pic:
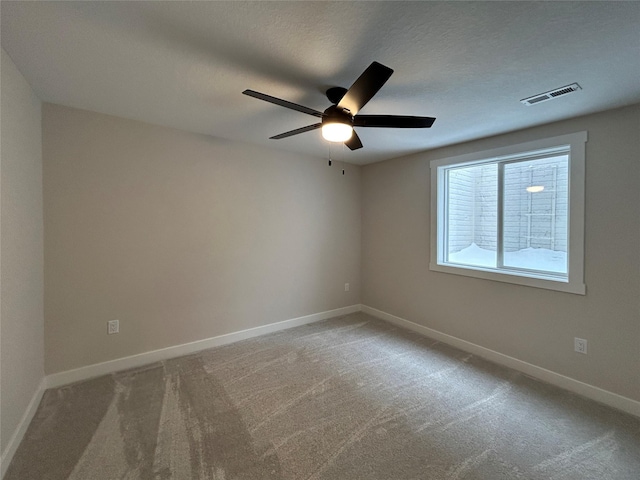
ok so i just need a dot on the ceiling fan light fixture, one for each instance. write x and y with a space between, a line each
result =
336 131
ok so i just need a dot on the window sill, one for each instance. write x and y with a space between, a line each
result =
577 288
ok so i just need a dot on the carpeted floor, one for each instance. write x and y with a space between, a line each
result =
347 398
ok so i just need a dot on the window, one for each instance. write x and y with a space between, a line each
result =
514 214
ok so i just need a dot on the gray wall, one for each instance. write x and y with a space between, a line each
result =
533 325
183 237
21 284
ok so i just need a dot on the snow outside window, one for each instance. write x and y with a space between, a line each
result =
515 214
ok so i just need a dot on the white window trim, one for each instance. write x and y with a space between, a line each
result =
575 282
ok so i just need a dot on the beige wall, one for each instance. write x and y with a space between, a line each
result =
184 237
533 325
21 311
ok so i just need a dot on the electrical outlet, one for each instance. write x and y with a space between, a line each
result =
113 326
580 345
346 287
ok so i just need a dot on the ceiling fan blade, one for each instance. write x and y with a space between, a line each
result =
290 133
354 142
283 103
365 87
393 121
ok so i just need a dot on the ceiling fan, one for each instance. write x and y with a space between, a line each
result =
338 120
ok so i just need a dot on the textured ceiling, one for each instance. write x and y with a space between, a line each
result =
468 64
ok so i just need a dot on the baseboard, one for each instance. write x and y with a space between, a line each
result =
595 393
21 429
97 369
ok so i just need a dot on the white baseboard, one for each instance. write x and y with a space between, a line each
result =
21 429
97 369
595 393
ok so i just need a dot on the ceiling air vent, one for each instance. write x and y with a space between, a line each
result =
558 92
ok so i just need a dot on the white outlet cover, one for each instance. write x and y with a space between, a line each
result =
346 287
113 326
580 345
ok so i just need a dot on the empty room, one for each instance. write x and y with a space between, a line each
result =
313 240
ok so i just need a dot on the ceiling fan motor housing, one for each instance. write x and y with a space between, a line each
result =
333 114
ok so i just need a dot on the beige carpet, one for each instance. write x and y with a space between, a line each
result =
348 398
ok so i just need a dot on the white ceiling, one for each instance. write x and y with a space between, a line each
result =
468 64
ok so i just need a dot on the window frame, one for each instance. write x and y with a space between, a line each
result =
574 283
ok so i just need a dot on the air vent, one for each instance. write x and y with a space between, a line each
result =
558 92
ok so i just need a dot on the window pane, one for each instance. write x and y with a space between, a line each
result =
535 219
472 215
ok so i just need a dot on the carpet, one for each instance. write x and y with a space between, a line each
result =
347 398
